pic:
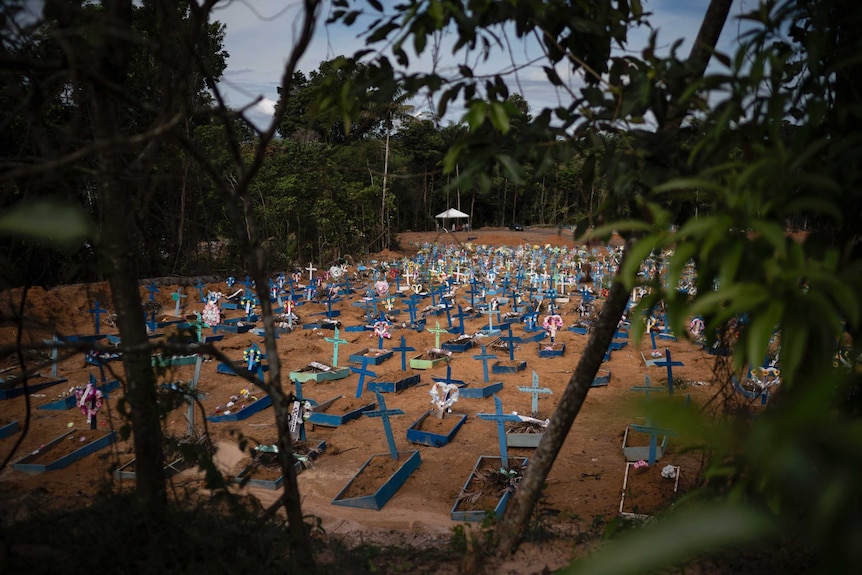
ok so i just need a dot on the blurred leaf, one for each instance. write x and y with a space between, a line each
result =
678 537
57 223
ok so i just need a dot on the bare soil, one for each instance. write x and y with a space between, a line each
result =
585 483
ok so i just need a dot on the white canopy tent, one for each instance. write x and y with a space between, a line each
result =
451 214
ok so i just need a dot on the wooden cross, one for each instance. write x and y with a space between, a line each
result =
437 331
55 353
646 388
669 364
403 349
335 341
653 433
193 386
501 419
510 340
311 269
535 390
363 372
490 313
178 296
97 311
384 414
153 289
484 357
200 285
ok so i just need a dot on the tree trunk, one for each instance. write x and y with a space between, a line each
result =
116 241
520 507
517 514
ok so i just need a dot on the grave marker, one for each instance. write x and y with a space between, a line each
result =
535 391
669 364
384 414
335 341
178 296
437 331
484 358
403 349
97 311
363 372
501 419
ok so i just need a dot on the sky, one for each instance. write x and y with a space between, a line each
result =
260 35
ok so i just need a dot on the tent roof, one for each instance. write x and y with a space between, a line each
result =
451 213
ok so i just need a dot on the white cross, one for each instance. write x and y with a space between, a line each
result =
311 269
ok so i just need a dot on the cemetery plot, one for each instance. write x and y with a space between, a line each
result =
488 488
65 450
433 431
383 474
648 489
264 470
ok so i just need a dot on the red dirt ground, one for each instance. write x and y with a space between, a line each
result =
585 483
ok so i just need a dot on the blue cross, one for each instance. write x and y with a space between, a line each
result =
363 372
501 419
653 433
510 340
484 357
335 341
535 390
670 365
461 315
97 311
646 388
153 289
384 414
448 379
178 296
403 349
411 307
200 285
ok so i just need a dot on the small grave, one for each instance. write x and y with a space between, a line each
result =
240 406
439 430
434 356
264 470
528 432
316 371
10 386
374 356
493 479
65 450
487 490
511 365
394 383
384 473
602 378
434 432
645 442
9 428
69 400
647 489
430 359
338 411
459 344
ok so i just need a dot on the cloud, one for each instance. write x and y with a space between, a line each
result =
265 106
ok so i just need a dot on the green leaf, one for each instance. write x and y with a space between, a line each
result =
771 232
476 115
688 184
57 223
499 117
633 259
760 331
674 539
